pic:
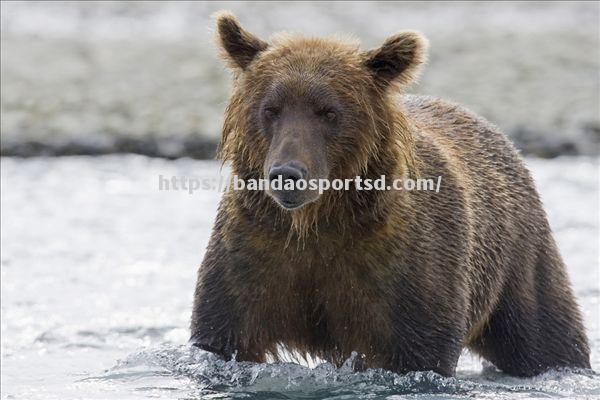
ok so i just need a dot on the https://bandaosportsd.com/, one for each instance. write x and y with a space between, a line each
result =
192 184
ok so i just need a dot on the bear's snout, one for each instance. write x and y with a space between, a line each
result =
288 174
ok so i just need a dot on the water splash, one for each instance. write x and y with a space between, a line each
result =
211 376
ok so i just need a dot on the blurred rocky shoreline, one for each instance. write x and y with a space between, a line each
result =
201 147
143 77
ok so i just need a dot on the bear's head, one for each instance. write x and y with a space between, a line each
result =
312 108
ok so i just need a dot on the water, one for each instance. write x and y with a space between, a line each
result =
98 269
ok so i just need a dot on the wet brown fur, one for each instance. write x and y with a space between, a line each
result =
407 279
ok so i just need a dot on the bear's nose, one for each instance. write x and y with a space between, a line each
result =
289 171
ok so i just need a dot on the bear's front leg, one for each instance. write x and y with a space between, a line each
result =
427 339
437 357
216 317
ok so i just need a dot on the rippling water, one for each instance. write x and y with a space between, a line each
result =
98 269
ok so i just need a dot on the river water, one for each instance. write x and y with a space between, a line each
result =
98 268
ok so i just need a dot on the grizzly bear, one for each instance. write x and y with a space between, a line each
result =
406 279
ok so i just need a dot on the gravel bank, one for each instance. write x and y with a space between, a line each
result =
142 77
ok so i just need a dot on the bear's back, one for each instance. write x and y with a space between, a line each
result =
476 150
493 185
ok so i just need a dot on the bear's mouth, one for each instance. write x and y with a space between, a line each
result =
290 201
289 204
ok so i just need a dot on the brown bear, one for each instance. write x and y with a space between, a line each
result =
407 279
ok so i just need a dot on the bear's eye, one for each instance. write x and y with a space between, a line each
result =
328 113
271 112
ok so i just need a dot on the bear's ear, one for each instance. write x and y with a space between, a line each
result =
398 59
238 46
